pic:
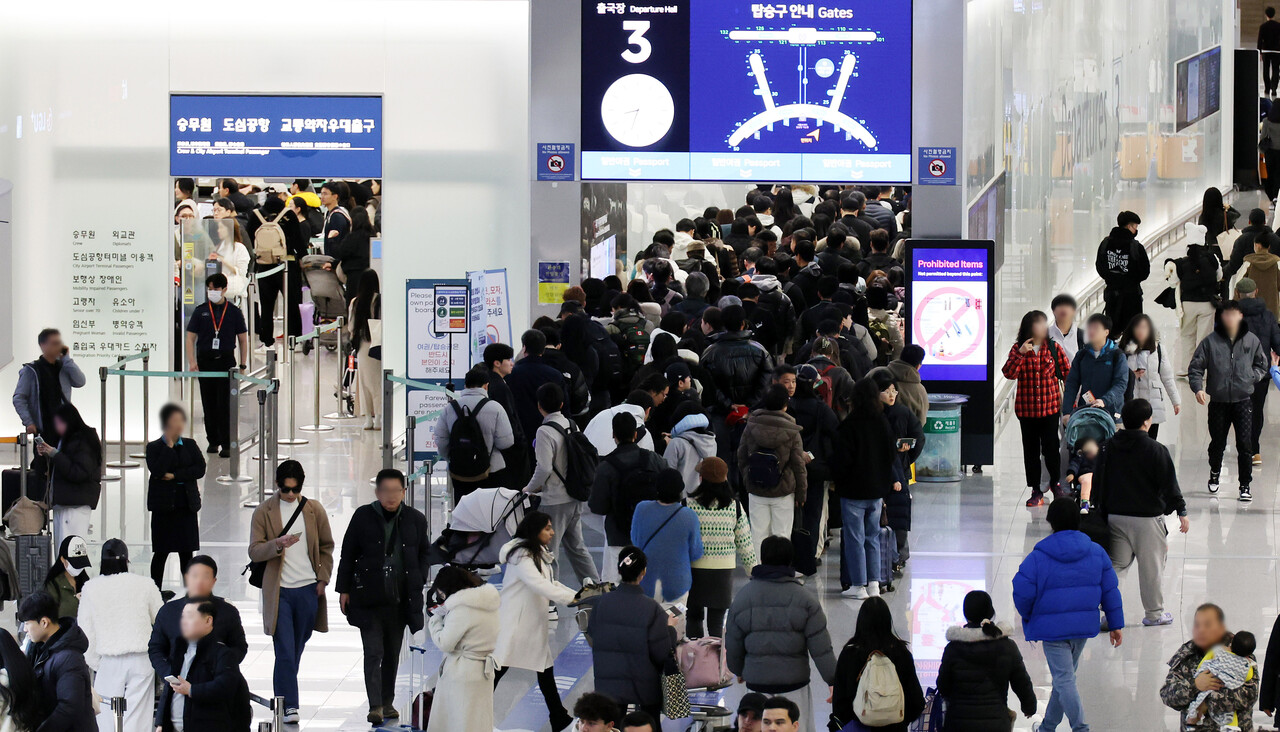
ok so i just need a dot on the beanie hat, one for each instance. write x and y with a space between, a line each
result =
713 470
1246 286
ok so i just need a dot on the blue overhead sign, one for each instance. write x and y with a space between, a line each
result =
275 136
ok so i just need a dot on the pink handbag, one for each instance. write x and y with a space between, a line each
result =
703 663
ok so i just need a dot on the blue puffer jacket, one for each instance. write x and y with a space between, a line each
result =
1060 585
1105 374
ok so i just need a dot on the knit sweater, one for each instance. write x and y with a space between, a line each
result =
671 547
726 538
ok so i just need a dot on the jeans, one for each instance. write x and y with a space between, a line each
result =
1224 416
1063 657
567 520
859 541
771 517
381 638
295 619
1040 437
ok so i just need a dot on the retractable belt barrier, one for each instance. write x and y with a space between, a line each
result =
117 706
276 705
261 382
316 425
252 296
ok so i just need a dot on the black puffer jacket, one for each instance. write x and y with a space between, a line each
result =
976 673
76 478
630 640
66 686
740 368
1262 324
865 466
1198 274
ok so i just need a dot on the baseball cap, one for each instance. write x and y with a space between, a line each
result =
1246 286
115 549
678 370
77 552
752 702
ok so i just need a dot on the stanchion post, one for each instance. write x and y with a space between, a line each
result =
388 400
341 412
25 457
237 388
410 427
277 714
102 377
251 299
262 448
292 439
316 426
146 409
124 462
118 707
274 417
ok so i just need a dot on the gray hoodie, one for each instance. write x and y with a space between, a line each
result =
548 451
689 445
26 395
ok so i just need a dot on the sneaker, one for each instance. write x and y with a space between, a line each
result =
1036 499
855 593
1058 491
1213 482
873 589
553 615
1257 459
375 716
1164 619
1084 508
389 712
291 715
1245 494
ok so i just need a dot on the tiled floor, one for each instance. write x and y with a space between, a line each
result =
967 535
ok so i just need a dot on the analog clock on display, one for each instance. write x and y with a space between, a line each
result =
637 110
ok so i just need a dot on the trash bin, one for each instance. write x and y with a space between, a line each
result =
939 461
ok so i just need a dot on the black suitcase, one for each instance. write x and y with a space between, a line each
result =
805 561
33 558
11 488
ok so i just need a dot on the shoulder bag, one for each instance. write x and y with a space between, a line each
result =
257 570
654 535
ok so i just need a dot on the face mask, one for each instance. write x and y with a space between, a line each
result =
215 296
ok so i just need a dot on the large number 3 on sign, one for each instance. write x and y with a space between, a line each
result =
637 39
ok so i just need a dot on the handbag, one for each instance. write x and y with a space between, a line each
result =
26 517
675 694
703 663
258 570
375 330
1168 298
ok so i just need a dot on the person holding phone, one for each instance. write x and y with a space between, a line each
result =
207 693
909 442
44 385
290 534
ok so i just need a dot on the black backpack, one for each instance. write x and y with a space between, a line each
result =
581 460
468 455
763 468
611 368
638 483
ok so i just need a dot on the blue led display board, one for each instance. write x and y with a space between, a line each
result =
275 136
747 90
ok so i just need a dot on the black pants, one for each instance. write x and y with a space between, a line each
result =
1040 437
814 500
1272 157
550 693
159 559
215 395
381 637
904 548
715 621
1258 407
1154 431
1224 416
1122 305
269 289
1270 71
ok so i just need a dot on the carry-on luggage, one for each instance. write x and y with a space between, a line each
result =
888 555
806 560
33 558
421 696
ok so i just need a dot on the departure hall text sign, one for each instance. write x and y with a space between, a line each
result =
275 136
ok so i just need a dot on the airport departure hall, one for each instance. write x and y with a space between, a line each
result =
706 365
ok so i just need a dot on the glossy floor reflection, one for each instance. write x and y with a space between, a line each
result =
966 536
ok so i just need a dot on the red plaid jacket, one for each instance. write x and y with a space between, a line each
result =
1039 393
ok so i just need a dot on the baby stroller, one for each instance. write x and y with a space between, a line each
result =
481 523
1090 423
326 293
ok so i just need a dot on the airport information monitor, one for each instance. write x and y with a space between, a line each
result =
743 90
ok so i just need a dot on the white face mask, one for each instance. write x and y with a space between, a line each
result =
215 296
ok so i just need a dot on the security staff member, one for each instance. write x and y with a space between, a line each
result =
215 328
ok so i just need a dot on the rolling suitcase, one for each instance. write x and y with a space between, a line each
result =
33 557
888 555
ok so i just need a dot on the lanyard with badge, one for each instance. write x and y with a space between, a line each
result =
216 343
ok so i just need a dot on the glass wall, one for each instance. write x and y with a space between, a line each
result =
1074 100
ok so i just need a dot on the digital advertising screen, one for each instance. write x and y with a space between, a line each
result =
1198 86
950 312
738 90
256 136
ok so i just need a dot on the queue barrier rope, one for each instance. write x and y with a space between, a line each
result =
416 384
267 273
145 353
319 331
169 374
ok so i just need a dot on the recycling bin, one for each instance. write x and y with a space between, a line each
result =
939 461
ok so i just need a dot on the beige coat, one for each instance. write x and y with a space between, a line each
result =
266 526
